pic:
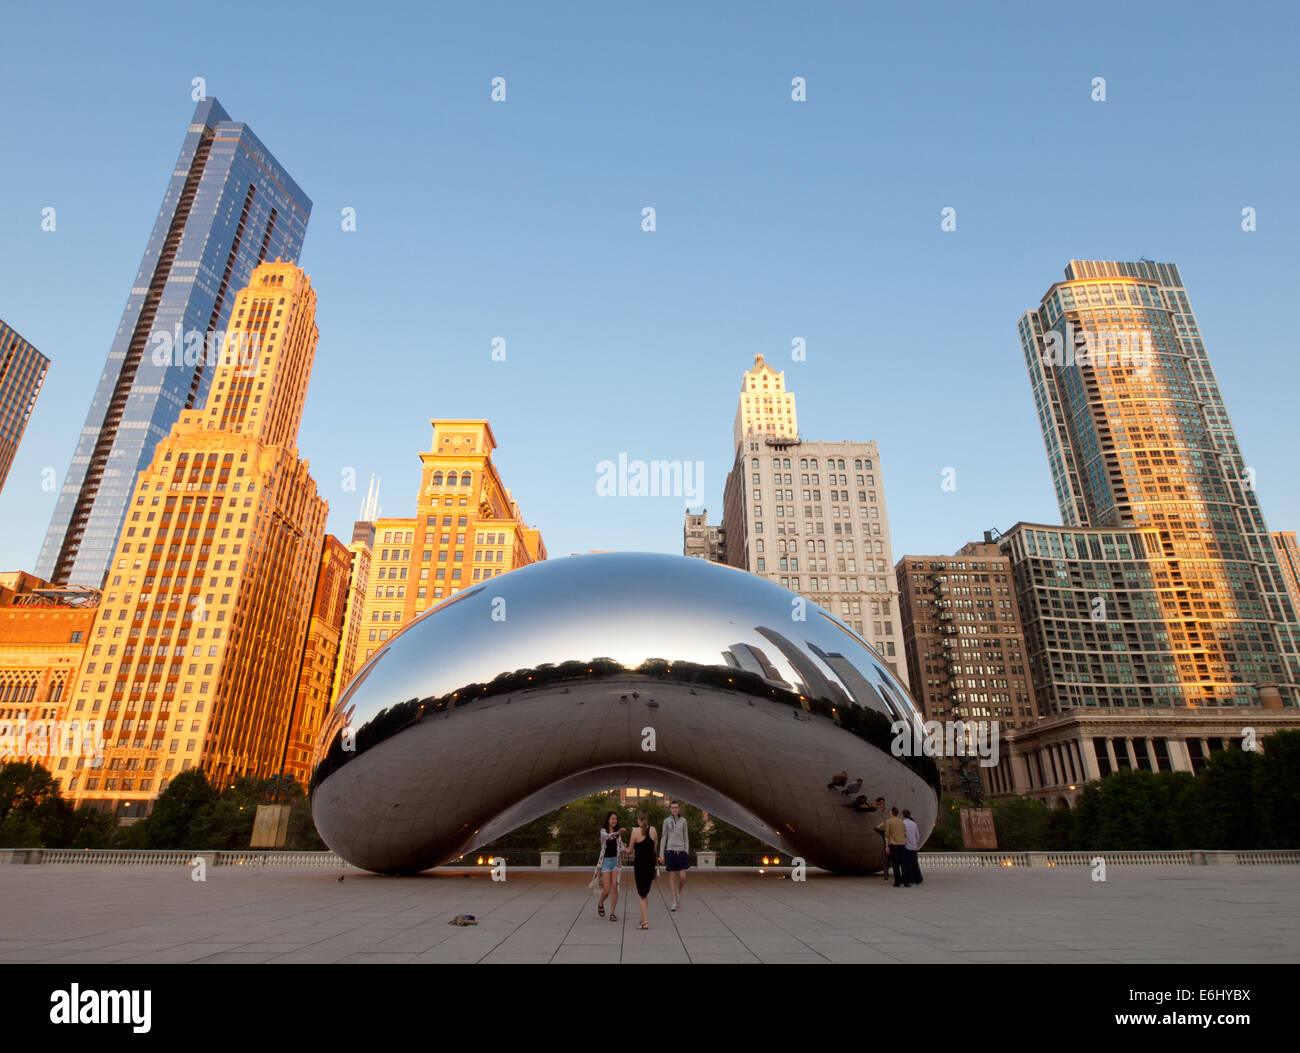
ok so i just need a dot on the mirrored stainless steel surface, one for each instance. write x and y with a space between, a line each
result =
578 675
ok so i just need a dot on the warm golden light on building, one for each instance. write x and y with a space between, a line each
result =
467 528
43 635
320 657
765 407
198 642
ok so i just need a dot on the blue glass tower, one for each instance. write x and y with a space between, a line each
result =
229 206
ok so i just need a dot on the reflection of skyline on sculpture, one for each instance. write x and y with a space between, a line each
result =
596 624
467 725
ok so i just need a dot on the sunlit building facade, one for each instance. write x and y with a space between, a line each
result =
198 642
467 529
1163 588
44 630
228 207
320 657
1288 560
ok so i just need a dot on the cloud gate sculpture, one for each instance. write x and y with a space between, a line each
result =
574 676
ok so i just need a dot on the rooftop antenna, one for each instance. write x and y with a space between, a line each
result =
370 510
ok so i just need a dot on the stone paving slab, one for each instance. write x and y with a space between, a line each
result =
107 914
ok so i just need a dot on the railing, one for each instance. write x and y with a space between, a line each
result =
972 860
583 860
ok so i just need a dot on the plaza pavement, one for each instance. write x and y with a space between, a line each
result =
108 914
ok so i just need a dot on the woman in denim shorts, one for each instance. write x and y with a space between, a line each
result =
609 864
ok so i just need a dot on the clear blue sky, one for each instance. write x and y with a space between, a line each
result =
776 220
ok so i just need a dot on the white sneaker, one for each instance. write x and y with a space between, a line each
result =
673 907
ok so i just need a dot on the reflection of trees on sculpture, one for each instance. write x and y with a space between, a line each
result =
867 724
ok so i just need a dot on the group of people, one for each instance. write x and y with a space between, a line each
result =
901 835
671 847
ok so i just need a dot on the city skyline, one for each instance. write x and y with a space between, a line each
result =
858 268
828 230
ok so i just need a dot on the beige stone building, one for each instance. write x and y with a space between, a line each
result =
1053 758
811 515
702 541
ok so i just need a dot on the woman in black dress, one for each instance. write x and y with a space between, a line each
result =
645 854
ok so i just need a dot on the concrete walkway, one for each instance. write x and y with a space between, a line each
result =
101 914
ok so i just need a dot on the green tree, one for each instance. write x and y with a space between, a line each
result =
28 792
1228 799
1126 811
179 810
1023 824
1277 790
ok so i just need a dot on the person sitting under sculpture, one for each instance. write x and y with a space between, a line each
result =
852 788
838 780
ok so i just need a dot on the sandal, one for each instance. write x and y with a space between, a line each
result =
613 916
600 909
644 925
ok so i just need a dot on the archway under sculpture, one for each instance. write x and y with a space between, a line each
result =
573 676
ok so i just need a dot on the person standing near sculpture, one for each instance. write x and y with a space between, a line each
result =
912 848
896 846
645 861
882 813
610 864
675 843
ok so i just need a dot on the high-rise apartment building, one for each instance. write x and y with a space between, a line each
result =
198 641
22 371
701 541
1288 560
320 657
229 206
964 641
466 529
811 515
1163 588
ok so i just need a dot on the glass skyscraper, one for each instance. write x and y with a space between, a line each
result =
1139 442
229 206
22 371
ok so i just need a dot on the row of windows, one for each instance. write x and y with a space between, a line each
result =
860 464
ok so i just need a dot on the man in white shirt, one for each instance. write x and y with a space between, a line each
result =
912 848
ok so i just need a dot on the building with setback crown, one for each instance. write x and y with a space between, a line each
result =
811 515
467 529
198 642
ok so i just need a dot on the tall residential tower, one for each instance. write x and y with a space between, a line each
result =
1164 587
229 206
